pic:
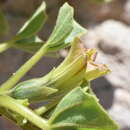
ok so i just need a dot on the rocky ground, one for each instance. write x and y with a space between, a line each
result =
108 32
111 39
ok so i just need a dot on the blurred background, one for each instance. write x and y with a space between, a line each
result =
108 32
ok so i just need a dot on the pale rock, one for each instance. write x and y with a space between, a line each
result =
120 111
112 41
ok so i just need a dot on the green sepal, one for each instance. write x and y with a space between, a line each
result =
34 90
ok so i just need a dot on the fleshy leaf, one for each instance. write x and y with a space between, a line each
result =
80 111
30 45
34 24
63 28
77 31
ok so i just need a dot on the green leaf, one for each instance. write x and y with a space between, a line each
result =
64 33
30 45
34 24
4 27
34 43
77 31
63 28
80 111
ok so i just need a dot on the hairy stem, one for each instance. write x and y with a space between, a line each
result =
4 113
13 105
4 46
29 126
43 109
7 115
24 69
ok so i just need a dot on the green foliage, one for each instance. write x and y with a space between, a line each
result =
80 110
63 28
28 32
73 68
70 102
77 31
30 45
34 24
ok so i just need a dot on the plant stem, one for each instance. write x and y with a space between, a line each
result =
67 86
43 109
4 113
27 126
4 46
13 105
24 69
